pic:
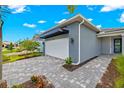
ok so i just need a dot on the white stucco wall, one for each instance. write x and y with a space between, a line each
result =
57 46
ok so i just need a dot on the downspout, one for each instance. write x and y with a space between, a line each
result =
79 41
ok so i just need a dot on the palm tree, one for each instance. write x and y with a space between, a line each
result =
71 8
3 11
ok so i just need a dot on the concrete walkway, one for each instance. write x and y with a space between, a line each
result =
86 76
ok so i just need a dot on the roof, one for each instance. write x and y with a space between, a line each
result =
111 32
112 29
76 18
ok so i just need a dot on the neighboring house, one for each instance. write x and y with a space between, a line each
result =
6 44
81 40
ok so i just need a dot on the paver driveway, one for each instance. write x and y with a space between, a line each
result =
86 76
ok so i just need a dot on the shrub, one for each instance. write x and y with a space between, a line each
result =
34 79
68 60
3 84
17 86
29 45
10 47
38 81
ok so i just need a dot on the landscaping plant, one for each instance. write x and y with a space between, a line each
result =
10 47
37 80
34 79
29 45
68 60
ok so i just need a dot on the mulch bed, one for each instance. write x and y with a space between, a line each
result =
29 84
108 78
74 67
37 81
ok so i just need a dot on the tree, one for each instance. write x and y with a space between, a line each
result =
3 10
29 45
36 37
10 47
71 8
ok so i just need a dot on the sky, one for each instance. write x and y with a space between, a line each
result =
26 21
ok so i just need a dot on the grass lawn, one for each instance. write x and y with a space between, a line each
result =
119 63
9 59
6 51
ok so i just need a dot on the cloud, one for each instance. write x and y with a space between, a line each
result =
108 8
122 18
91 7
99 26
58 22
90 19
66 12
18 8
29 25
42 21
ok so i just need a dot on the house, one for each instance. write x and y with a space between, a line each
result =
81 40
5 44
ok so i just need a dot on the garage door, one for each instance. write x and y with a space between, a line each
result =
57 47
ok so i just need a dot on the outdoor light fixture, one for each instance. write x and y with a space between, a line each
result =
72 40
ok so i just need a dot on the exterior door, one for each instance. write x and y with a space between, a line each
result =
118 45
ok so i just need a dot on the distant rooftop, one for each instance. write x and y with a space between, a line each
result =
112 29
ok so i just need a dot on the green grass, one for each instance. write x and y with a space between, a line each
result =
119 63
6 51
9 59
119 83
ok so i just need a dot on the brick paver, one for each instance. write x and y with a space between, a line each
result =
86 76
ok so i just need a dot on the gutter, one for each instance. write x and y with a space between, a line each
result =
79 41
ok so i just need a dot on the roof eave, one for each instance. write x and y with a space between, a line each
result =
79 18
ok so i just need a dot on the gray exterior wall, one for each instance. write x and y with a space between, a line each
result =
108 44
90 44
73 46
57 46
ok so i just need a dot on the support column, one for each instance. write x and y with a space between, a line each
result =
110 51
122 43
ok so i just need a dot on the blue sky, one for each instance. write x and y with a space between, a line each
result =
25 21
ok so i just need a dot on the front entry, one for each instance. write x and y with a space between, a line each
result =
117 45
